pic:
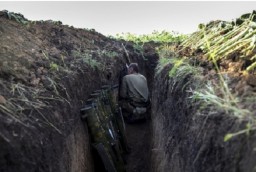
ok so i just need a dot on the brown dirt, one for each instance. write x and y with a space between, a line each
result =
47 72
189 138
139 140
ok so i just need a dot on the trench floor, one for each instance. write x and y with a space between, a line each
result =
139 140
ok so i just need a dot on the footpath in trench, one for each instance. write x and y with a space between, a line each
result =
138 136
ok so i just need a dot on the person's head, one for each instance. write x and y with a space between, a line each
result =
133 68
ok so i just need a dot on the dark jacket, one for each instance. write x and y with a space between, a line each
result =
134 88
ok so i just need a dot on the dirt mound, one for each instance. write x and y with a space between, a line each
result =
47 71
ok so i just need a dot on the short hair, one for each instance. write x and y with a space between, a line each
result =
135 67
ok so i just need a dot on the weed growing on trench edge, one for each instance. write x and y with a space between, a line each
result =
180 70
54 67
225 40
166 55
211 96
219 94
26 98
16 16
54 85
163 61
139 49
107 53
166 51
86 58
176 64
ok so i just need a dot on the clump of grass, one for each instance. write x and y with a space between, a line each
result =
166 57
218 99
139 49
107 53
219 95
54 66
87 59
180 68
184 74
17 17
223 39
163 61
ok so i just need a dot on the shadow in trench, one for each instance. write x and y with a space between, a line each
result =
139 140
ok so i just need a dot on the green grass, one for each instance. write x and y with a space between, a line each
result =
223 41
217 42
219 94
156 36
86 58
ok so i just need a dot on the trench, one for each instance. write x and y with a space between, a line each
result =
138 134
175 138
139 139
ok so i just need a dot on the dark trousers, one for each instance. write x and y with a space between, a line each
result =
128 108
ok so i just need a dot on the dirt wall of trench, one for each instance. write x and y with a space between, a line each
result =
47 72
187 141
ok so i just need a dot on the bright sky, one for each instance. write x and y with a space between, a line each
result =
139 17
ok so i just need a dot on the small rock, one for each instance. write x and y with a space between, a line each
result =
2 100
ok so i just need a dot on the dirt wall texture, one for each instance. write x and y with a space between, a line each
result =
47 72
187 141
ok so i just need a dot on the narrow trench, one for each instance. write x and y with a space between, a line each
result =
138 134
139 140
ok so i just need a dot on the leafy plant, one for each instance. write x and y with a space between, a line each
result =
110 54
54 66
17 17
163 61
155 36
139 49
86 58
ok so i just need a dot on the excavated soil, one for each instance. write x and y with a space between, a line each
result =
47 72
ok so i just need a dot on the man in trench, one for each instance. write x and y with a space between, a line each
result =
134 95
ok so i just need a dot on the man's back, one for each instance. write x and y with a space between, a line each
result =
135 88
